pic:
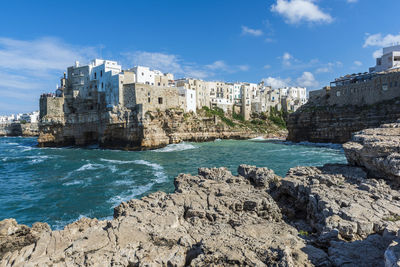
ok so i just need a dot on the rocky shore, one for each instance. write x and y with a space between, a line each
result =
19 129
335 215
157 129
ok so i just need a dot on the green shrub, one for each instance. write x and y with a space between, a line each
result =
237 116
278 117
303 233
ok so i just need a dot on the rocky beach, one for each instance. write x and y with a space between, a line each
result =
335 215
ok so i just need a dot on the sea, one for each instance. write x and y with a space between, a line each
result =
62 185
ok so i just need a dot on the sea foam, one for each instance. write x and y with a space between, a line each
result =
176 147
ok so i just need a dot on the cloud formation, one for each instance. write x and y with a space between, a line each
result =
286 59
277 82
175 64
253 32
307 79
378 40
298 11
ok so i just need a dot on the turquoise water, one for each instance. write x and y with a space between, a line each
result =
60 185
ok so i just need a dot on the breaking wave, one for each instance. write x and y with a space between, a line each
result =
75 182
176 147
258 138
128 195
90 166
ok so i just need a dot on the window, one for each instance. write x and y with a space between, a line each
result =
142 74
101 73
148 99
159 84
95 75
160 100
102 85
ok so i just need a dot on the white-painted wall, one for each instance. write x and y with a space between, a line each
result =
190 98
144 75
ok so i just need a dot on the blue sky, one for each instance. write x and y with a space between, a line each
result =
283 42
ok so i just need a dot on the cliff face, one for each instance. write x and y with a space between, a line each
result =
130 130
317 121
18 129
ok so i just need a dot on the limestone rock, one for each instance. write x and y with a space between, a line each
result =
213 218
340 197
378 150
15 236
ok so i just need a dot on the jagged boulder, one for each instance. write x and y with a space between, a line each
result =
213 218
14 236
377 150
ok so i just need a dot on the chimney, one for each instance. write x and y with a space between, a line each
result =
76 64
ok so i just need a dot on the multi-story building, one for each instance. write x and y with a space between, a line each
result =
103 85
389 60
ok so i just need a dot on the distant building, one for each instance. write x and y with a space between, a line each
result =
381 83
389 60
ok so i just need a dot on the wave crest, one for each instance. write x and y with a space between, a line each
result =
176 147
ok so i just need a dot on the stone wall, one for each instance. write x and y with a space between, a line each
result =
380 88
151 98
52 106
335 124
333 114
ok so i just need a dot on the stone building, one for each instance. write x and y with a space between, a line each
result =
144 97
200 87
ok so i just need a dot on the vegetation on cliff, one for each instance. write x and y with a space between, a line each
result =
260 123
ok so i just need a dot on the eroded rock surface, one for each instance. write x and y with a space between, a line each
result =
214 218
378 150
316 216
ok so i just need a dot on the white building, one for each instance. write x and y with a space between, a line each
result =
389 60
190 98
108 77
144 75
237 92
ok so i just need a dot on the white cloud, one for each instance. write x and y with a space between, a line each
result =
45 54
352 1
267 66
378 40
219 64
323 70
358 63
174 64
276 82
307 79
244 67
286 59
254 32
297 11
